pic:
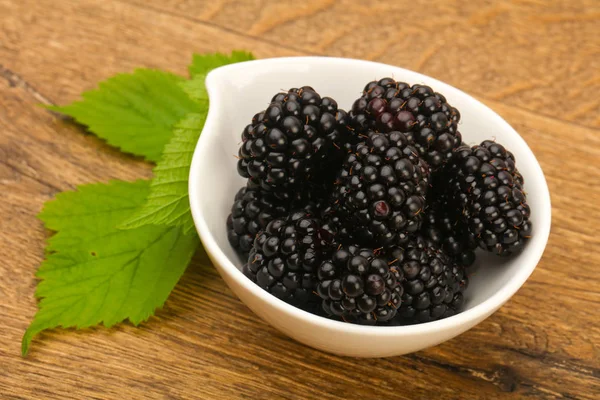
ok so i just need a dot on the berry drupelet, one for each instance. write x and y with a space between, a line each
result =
442 227
287 145
285 257
422 114
252 210
358 286
379 194
486 189
433 284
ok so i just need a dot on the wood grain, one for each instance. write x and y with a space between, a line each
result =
534 62
483 46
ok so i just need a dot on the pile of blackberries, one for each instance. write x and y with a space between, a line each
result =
373 216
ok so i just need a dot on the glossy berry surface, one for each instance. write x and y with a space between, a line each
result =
422 114
285 256
442 226
379 194
288 146
373 217
359 286
433 284
252 210
485 190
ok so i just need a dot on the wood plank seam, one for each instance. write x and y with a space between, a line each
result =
212 25
305 51
14 79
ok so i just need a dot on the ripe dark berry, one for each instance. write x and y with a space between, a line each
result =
285 256
442 227
484 191
433 284
359 286
419 112
252 210
379 194
288 146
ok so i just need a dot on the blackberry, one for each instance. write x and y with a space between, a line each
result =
288 145
339 223
252 210
422 114
485 189
379 194
442 228
433 284
358 286
285 257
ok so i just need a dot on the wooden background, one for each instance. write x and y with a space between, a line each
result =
535 62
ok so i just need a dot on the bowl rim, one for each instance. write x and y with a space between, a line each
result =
476 313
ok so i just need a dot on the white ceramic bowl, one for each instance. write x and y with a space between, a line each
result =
238 91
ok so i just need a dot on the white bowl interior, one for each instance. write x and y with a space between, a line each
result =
239 91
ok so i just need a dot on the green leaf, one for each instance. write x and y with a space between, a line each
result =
203 63
134 112
168 202
196 89
95 273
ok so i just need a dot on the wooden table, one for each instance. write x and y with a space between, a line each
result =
535 62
